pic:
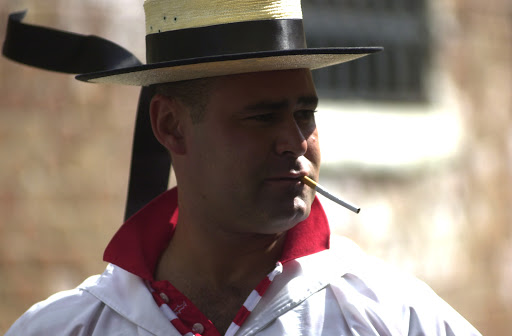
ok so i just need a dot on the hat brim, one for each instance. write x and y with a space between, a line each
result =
212 66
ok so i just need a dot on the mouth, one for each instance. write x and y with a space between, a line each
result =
289 179
284 179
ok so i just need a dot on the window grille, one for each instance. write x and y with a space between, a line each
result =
400 26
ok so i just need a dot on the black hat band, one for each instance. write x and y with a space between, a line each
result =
223 39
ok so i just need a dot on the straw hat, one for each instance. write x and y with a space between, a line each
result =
189 39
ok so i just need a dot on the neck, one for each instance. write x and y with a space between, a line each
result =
222 259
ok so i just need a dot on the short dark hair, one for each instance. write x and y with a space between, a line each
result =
194 93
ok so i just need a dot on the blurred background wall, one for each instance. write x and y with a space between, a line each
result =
424 151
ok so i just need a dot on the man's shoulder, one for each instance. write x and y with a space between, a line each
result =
62 313
392 293
357 292
116 302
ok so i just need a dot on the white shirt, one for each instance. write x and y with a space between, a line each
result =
340 291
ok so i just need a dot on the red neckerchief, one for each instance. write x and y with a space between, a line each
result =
138 244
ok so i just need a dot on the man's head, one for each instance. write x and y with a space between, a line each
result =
239 164
186 40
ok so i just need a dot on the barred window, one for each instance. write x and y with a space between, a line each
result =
400 26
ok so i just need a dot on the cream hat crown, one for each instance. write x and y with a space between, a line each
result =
165 15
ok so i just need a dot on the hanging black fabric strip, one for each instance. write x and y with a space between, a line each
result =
151 163
60 51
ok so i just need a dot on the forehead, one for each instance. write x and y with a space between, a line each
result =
270 85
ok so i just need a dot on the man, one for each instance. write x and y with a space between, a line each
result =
239 169
242 246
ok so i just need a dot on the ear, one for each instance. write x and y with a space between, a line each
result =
167 119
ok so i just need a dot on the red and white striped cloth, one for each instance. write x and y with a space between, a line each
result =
167 311
252 300
244 312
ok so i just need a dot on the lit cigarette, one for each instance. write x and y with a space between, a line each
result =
327 194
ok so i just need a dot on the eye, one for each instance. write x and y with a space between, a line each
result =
264 117
305 115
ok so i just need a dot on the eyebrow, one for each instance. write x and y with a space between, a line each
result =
308 100
279 105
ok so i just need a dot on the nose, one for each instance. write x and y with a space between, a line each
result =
291 139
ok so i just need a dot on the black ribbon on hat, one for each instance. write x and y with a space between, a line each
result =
72 53
223 39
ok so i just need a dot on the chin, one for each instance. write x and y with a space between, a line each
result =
284 217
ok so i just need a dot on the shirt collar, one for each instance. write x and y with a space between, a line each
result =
138 244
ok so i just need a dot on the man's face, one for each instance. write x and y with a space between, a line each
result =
245 159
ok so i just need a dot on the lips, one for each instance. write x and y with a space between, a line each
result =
290 179
283 179
292 176
291 169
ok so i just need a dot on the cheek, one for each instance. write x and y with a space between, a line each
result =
246 142
235 151
313 153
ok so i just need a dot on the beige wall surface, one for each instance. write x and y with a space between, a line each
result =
65 151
